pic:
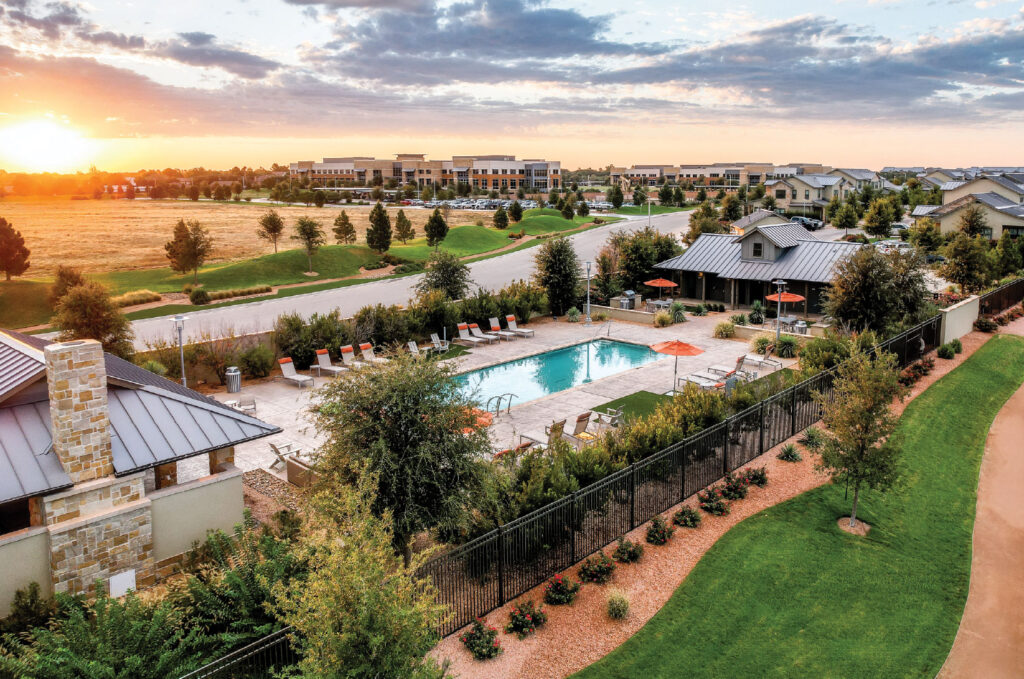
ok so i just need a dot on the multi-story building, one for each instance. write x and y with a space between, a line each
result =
491 172
999 196
715 175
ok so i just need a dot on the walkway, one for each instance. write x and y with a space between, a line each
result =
990 642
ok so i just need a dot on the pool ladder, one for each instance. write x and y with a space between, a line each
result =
499 399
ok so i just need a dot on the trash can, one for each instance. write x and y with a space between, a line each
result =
801 327
234 380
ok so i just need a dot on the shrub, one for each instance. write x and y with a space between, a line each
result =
756 315
789 453
711 501
957 346
188 288
659 532
618 605
600 317
257 361
725 330
662 319
734 487
813 438
678 311
762 342
199 296
561 590
482 641
738 319
29 610
701 310
525 618
787 347
572 315
985 325
627 551
411 267
757 476
136 297
945 351
771 312
240 292
687 517
597 569
155 367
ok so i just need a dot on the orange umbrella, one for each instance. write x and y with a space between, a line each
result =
660 283
677 349
786 297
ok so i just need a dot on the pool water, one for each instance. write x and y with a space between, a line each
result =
553 371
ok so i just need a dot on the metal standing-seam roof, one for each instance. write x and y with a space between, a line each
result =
28 465
759 215
782 235
858 173
922 210
949 186
20 364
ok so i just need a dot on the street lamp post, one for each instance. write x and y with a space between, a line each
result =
179 325
779 284
588 294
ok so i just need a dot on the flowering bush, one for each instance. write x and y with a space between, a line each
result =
560 590
711 502
734 487
659 531
758 476
948 299
915 371
687 517
627 551
525 618
482 640
597 569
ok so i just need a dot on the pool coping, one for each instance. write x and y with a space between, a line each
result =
555 347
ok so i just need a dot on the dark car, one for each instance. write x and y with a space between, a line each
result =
808 223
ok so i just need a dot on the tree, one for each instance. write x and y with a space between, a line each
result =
360 612
926 235
702 194
515 211
768 201
500 219
558 272
582 209
189 247
966 262
678 198
319 198
129 192
1008 255
378 236
705 211
568 210
846 218
665 194
87 312
193 192
731 208
447 273
639 196
702 224
311 235
615 196
344 232
409 423
862 295
972 221
912 295
858 449
436 229
67 277
832 209
403 228
878 220
271 227
13 253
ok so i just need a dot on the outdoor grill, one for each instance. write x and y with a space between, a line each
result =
628 299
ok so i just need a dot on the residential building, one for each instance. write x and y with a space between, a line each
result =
755 218
999 196
738 269
490 172
807 194
859 179
90 452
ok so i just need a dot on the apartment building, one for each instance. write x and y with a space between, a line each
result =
807 194
714 175
490 172
999 196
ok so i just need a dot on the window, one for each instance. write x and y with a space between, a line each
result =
986 233
1014 231
780 194
758 250
807 194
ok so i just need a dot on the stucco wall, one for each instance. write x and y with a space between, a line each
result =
631 315
24 559
958 320
183 514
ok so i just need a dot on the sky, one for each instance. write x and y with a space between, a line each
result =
125 85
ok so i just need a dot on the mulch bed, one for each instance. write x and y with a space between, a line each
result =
266 494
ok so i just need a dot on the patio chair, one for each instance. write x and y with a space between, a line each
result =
516 450
762 361
503 334
580 435
324 365
414 349
440 345
510 321
282 453
474 329
608 420
348 357
464 336
553 432
289 374
368 355
701 382
247 405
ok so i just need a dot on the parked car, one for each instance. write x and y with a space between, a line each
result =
808 223
934 258
892 245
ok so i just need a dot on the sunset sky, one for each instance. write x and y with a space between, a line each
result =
125 85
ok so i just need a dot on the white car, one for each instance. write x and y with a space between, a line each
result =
892 245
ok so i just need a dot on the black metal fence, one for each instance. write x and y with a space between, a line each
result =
1002 297
498 567
262 659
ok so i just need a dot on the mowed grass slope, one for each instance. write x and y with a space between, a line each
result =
642 209
787 594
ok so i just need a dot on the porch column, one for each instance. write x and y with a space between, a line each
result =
703 288
807 296
732 293
167 475
221 460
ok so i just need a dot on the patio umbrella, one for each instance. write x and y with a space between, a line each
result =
660 283
677 349
784 298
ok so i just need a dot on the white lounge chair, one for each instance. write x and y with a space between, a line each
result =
440 345
282 453
762 361
324 365
289 374
348 357
510 321
368 356
503 334
474 329
701 381
464 336
609 420
247 405
414 349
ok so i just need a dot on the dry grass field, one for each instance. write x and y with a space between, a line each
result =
118 235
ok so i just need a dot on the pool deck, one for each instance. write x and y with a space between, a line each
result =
285 405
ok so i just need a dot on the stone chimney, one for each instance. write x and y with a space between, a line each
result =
76 377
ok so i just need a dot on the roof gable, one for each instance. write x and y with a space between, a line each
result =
785 235
756 217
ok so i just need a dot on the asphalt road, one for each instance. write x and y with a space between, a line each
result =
490 274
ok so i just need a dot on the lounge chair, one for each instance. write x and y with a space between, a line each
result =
510 321
324 365
368 356
503 334
702 382
289 374
579 434
282 453
521 448
761 361
464 336
440 345
247 405
414 349
474 329
348 357
553 433
609 420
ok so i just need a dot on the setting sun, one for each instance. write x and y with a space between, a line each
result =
43 146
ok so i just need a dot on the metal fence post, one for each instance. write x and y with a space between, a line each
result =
682 467
725 449
501 565
632 496
792 412
760 429
573 518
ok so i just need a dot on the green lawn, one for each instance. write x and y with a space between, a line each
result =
23 303
640 404
786 593
642 209
539 221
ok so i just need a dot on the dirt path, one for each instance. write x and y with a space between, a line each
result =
990 641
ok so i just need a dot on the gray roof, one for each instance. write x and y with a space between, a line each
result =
818 181
20 364
949 186
810 260
782 235
1001 203
755 217
858 173
922 210
28 465
1003 181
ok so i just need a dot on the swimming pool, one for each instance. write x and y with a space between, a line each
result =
553 371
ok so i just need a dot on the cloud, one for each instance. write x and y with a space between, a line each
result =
58 16
364 4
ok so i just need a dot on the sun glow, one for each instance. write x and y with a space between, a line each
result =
43 145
